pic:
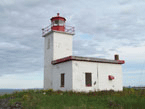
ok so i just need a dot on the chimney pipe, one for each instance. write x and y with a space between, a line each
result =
116 56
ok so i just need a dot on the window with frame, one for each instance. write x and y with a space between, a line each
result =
88 77
61 23
62 80
48 44
58 23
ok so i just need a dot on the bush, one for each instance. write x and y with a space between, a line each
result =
25 97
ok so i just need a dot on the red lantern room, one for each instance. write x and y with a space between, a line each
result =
58 23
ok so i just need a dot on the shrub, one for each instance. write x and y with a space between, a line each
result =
25 97
50 90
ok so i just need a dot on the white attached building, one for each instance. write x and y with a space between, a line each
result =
62 71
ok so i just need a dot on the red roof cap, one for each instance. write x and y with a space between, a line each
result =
58 18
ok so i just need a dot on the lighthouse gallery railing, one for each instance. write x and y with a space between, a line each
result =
68 29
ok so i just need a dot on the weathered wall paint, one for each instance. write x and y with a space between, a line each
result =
65 68
101 79
56 45
110 69
62 45
48 57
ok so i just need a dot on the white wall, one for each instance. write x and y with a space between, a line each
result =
65 68
79 69
60 45
110 69
102 82
48 57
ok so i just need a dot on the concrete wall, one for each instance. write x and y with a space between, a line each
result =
56 45
79 70
62 45
101 79
110 69
48 57
65 68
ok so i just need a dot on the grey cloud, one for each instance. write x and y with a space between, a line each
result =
13 61
113 49
6 45
115 24
87 48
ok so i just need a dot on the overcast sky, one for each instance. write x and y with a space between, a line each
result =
102 28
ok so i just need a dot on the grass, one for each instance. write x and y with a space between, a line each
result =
49 99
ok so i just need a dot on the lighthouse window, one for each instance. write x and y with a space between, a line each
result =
62 80
61 23
48 46
88 78
56 22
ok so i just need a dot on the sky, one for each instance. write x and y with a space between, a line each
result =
102 28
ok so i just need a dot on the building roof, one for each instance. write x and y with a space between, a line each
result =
87 59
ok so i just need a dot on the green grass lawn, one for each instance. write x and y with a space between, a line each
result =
48 99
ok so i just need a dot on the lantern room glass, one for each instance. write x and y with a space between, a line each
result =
58 23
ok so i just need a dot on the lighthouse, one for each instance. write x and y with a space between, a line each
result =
57 44
63 71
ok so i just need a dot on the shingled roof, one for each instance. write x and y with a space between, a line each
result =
88 59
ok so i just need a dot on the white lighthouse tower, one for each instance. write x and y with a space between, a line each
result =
58 44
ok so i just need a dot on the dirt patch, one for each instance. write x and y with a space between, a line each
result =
4 104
